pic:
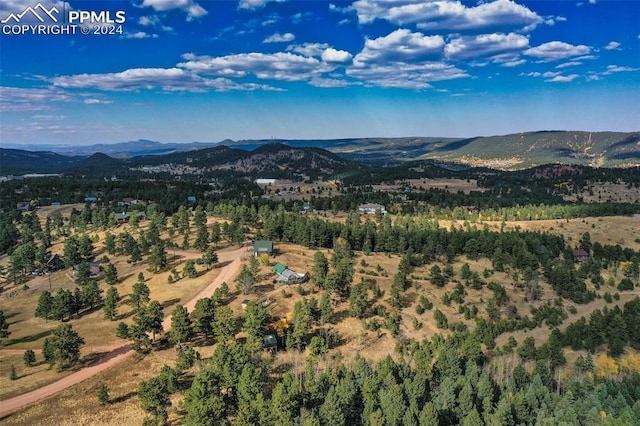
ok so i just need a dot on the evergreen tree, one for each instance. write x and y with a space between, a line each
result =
326 312
154 398
65 345
139 295
4 326
103 394
203 315
111 274
111 304
29 357
203 403
320 268
181 327
91 294
224 323
158 258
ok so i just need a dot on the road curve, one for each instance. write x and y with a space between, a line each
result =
227 273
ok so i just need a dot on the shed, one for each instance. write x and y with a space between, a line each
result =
271 343
262 246
279 268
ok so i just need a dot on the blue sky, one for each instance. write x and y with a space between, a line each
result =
190 70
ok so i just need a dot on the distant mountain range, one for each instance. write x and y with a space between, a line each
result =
268 156
270 160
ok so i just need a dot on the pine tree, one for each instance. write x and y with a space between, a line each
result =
103 394
29 357
4 326
111 274
111 304
181 327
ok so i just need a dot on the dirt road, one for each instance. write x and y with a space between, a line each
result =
227 273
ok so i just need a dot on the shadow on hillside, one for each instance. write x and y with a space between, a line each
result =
25 339
123 398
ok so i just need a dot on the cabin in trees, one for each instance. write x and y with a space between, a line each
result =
55 263
371 208
580 255
288 276
125 216
271 343
262 246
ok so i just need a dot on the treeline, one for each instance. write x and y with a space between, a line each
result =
445 381
616 327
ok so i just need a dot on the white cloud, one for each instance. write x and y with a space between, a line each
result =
514 63
330 82
611 69
448 15
279 38
400 45
612 45
485 45
332 55
254 4
18 99
48 117
192 9
569 64
93 101
278 66
166 79
153 21
533 74
309 49
140 34
563 78
555 50
406 76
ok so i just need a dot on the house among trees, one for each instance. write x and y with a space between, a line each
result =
90 199
191 199
125 216
371 208
55 263
287 276
262 246
271 343
580 255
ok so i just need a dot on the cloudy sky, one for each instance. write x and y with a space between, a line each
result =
198 70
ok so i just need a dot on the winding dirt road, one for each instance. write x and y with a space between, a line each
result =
119 352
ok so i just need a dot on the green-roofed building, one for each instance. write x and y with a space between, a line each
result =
279 268
260 247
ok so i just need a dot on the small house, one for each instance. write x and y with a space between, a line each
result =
580 255
191 199
55 263
371 208
262 246
125 216
291 277
90 199
271 343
